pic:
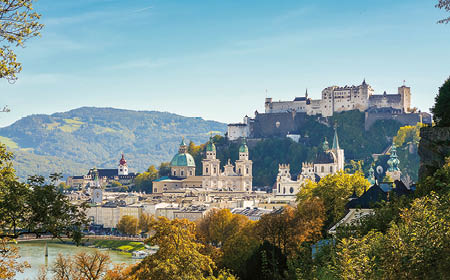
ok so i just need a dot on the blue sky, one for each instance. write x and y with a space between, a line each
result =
216 59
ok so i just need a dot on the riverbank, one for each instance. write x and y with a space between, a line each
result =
124 246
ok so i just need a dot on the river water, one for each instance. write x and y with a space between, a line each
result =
33 253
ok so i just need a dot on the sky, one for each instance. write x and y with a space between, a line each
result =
220 59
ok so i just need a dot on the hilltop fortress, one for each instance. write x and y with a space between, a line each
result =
286 117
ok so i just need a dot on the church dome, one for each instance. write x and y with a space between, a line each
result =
182 159
325 157
243 148
122 161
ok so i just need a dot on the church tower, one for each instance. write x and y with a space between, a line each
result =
244 167
393 163
338 151
123 166
97 192
211 166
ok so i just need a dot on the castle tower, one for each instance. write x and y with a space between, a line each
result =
405 93
284 174
123 166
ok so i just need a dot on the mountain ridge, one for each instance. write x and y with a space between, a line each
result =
96 136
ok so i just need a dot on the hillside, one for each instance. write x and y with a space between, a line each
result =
73 141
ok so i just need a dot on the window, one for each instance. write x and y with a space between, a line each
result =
247 171
284 190
155 190
182 172
215 170
207 170
240 171
279 187
291 190
190 172
174 173
322 169
331 169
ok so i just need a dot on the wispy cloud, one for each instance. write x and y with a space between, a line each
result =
143 9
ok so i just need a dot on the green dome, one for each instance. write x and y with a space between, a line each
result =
243 148
182 159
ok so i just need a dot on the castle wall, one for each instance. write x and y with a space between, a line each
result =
402 118
434 146
277 124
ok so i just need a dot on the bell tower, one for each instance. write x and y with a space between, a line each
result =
123 166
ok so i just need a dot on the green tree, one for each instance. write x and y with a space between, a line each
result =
128 225
143 181
179 256
164 169
445 5
18 23
333 190
441 112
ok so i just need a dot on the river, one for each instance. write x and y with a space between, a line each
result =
33 253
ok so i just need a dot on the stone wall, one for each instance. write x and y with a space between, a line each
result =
277 124
434 147
403 119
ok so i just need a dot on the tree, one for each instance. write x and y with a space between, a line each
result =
85 266
266 263
333 190
416 247
444 4
441 112
9 260
128 225
143 181
145 222
164 169
179 256
18 23
439 182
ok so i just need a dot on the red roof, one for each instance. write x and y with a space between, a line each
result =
123 161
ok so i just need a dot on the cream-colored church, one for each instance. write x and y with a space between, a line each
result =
182 179
328 161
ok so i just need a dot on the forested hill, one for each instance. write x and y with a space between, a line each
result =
73 141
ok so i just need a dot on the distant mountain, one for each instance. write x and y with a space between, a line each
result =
74 141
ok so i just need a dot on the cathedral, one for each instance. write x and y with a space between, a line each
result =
328 161
232 178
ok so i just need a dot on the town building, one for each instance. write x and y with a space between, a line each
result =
104 176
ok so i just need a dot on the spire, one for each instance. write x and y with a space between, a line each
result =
122 160
183 147
335 140
306 93
393 161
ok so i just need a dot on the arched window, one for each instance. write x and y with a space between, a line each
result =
207 170
174 173
247 171
279 188
322 169
331 169
291 190
284 190
182 172
190 172
215 170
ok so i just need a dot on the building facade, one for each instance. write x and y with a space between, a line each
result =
232 178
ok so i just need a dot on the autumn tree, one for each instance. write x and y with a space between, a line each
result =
445 5
441 112
10 264
128 225
333 190
179 256
145 222
85 266
18 23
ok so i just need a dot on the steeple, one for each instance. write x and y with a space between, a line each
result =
393 161
335 140
306 94
183 147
